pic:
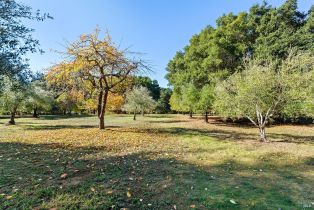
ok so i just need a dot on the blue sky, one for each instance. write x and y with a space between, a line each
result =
157 28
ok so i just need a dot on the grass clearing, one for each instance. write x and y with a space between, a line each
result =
157 162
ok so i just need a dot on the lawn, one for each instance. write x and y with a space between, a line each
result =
157 162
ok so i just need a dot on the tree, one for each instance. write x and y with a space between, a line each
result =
264 89
175 102
15 38
151 85
139 100
13 94
163 103
98 62
39 98
190 96
206 99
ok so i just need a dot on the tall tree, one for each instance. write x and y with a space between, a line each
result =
100 63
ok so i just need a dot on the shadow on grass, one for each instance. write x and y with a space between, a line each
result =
167 121
58 127
224 135
141 181
58 117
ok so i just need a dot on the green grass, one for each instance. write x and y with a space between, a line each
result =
157 162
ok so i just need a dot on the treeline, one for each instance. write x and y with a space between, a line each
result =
256 65
36 96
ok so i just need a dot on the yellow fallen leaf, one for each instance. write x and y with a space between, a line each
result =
128 194
9 197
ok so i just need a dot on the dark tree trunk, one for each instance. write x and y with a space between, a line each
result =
102 102
206 117
64 112
12 117
134 116
191 114
35 114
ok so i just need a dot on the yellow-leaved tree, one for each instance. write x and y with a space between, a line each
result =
96 65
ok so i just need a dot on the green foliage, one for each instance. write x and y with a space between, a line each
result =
264 89
264 32
190 96
206 98
39 98
15 37
139 100
151 85
14 92
163 103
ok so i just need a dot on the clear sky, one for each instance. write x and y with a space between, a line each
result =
157 28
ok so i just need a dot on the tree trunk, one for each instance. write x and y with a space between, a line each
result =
191 114
12 117
134 116
206 117
262 134
35 114
102 102
142 112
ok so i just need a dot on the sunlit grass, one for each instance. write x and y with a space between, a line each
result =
157 162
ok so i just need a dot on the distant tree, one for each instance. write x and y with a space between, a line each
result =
206 100
98 62
139 100
262 91
163 103
151 85
15 38
14 92
39 98
115 102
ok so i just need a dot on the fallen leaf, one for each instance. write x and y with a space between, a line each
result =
63 176
128 194
9 197
232 201
192 206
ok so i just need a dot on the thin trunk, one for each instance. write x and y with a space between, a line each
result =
12 117
102 110
134 116
142 112
206 117
35 114
191 114
262 134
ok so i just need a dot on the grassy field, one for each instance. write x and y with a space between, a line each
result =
158 162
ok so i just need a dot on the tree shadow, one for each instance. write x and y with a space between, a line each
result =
224 135
58 117
58 127
144 180
167 121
